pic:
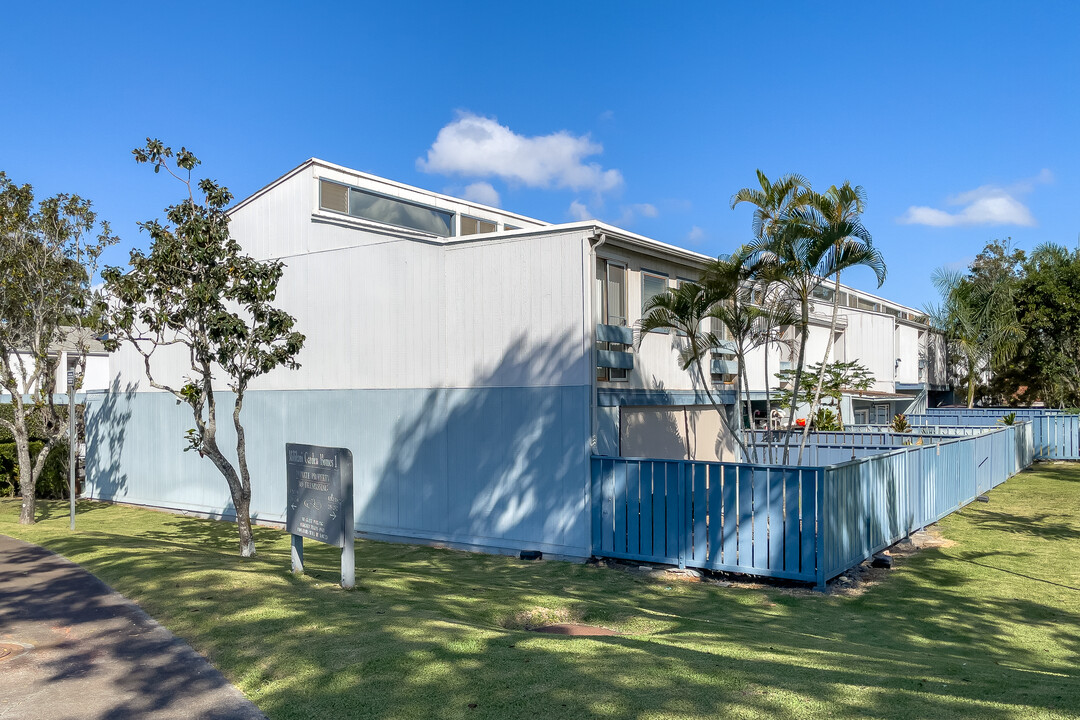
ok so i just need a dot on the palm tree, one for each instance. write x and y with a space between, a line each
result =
774 201
774 205
800 255
728 278
685 309
749 324
978 317
836 216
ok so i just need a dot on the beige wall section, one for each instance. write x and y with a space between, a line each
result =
674 433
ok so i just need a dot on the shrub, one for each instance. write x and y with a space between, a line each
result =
53 483
900 423
825 420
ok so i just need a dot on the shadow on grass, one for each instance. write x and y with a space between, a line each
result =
1043 525
423 638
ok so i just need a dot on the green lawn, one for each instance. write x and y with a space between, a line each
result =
987 628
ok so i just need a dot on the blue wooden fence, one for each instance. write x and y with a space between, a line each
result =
799 523
1056 434
721 516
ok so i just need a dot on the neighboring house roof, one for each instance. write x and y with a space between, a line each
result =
875 395
69 342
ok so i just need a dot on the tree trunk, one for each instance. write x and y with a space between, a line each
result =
744 389
243 523
26 474
719 409
241 498
798 378
824 363
243 504
768 406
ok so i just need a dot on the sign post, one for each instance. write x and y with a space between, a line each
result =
320 496
71 441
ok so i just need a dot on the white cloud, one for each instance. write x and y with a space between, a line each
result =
695 236
483 193
985 205
626 217
475 146
579 211
629 213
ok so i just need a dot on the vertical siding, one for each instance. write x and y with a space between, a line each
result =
494 467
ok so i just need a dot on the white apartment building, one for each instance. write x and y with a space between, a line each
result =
472 359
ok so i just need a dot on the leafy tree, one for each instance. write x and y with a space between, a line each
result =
686 309
48 257
838 377
196 290
1046 365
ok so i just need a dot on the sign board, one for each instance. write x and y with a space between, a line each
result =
320 497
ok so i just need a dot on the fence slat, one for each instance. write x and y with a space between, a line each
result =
730 530
792 547
633 508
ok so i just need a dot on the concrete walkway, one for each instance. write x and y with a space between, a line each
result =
95 654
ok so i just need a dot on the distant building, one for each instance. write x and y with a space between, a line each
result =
68 351
473 360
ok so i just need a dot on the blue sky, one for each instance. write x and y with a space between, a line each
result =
959 119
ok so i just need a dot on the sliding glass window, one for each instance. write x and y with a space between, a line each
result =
385 209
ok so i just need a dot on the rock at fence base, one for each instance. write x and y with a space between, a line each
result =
882 561
983 498
685 572
844 580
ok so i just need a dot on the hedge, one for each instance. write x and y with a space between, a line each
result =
7 412
52 484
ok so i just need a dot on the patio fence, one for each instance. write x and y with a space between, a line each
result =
800 523
1056 435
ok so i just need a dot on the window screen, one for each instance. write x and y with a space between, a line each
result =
616 294
651 286
333 197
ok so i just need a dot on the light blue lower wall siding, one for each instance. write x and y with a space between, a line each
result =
499 468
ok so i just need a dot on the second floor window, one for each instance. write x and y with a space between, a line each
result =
610 292
651 286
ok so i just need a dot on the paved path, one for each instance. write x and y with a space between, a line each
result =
95 654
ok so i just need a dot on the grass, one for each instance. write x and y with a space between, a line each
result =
986 628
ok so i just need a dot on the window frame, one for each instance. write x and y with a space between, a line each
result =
452 230
605 319
477 220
